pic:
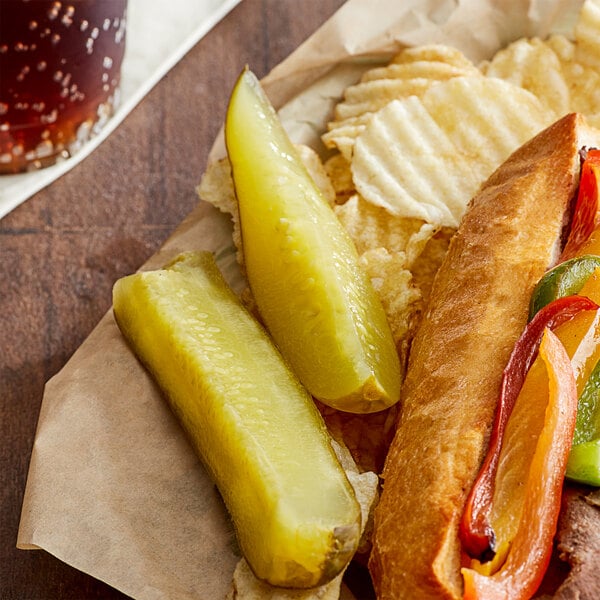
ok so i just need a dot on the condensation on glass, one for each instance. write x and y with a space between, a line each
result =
60 70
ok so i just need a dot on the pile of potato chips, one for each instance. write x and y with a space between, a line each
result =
408 147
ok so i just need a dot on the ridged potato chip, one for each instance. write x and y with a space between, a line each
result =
402 156
433 52
419 69
216 188
370 96
583 81
372 227
360 103
564 74
337 168
562 46
425 158
587 35
410 73
400 297
533 65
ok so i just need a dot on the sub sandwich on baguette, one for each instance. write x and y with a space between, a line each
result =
473 485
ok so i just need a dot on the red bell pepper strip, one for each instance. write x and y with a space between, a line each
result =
530 549
586 214
475 531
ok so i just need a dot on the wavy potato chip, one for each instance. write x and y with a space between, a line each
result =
533 65
360 103
564 74
433 52
337 168
400 297
425 158
370 96
373 227
410 73
563 47
583 81
314 166
419 69
404 159
587 34
216 188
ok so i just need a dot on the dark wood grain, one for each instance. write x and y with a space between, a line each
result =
61 251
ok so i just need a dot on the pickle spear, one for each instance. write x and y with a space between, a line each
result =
314 298
252 423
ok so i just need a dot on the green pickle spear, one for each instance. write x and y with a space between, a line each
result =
314 298
252 423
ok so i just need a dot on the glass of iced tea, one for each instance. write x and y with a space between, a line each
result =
60 69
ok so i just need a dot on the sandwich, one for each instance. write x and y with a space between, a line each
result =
465 510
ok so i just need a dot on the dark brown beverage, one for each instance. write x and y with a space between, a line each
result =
60 65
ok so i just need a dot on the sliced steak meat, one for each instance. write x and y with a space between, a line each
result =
578 543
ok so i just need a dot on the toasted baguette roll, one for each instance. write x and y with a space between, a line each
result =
509 236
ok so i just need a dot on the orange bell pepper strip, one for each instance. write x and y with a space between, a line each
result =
529 485
584 235
475 532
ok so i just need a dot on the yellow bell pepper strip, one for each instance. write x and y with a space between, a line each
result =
529 485
475 531
591 288
584 236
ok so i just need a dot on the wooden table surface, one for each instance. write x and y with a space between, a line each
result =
61 251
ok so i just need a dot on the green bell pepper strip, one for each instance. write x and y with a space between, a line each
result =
584 463
584 460
566 279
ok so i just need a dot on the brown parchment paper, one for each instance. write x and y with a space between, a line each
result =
114 489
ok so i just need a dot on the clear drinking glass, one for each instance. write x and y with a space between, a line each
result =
60 71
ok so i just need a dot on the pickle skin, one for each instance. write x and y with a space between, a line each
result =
313 296
253 425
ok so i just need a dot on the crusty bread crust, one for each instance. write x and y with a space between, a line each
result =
509 236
